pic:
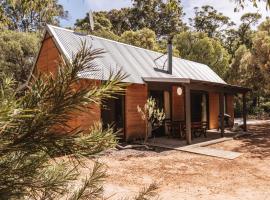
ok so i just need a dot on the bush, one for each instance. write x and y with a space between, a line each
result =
266 107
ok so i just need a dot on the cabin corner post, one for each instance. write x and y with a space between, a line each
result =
221 108
244 111
188 114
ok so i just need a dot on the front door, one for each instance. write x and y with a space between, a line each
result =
199 106
112 113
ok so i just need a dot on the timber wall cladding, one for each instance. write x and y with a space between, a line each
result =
178 105
48 58
136 94
84 120
213 110
47 62
230 106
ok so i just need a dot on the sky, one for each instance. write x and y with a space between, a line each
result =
78 8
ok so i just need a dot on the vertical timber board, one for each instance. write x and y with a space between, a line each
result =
136 94
230 106
47 62
92 113
178 105
48 57
213 110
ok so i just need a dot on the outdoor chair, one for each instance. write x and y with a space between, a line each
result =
199 128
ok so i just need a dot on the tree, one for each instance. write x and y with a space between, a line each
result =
152 115
200 48
237 72
261 57
244 30
101 22
208 20
121 20
102 26
31 139
28 15
17 53
163 17
251 67
265 25
241 3
235 37
144 38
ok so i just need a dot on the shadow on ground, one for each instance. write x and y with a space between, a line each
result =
257 144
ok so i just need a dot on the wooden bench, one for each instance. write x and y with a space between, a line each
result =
199 128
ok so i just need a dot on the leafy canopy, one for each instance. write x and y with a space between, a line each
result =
29 15
203 49
17 53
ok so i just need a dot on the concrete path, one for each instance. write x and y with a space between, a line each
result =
212 152
200 148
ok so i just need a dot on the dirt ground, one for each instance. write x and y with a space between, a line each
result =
182 175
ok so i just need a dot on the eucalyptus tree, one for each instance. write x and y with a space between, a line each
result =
242 3
245 29
29 15
200 48
265 25
144 38
208 20
102 25
163 17
242 35
17 53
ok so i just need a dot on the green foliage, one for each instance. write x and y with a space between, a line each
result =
33 134
265 25
120 20
144 38
28 15
266 107
200 48
250 67
17 53
147 192
242 3
237 70
208 20
152 115
101 22
235 37
163 17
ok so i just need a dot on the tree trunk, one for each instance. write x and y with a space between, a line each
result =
147 131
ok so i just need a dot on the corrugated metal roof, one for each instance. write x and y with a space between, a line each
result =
134 61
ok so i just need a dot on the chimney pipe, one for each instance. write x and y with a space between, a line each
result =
170 56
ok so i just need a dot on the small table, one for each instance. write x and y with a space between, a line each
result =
175 128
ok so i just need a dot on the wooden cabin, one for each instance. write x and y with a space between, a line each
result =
186 90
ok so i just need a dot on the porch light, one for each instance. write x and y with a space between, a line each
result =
179 91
